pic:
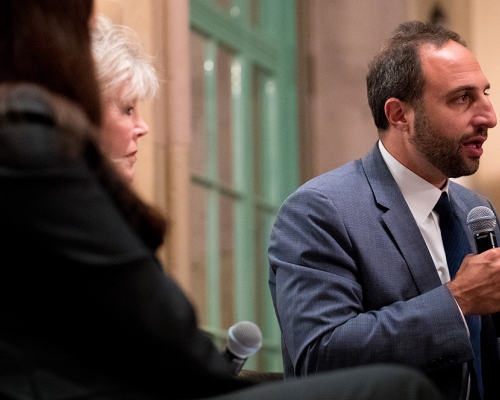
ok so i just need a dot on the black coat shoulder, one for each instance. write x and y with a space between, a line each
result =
39 128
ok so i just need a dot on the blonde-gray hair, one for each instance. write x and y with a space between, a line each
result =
123 68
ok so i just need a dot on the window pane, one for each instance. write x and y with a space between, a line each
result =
198 249
262 221
261 270
226 235
198 138
224 121
226 4
258 160
255 12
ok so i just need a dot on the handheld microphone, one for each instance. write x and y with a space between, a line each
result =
244 339
482 221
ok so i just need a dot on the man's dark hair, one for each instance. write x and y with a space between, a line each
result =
396 71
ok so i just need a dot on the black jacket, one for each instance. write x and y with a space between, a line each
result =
85 308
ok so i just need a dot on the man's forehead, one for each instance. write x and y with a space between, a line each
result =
451 65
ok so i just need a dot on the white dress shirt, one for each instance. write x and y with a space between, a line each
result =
421 197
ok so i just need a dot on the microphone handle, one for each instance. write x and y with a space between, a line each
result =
235 362
485 241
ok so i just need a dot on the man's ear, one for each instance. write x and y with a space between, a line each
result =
396 113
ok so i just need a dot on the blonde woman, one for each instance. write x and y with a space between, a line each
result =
126 77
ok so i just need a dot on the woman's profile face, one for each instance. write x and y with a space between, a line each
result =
121 129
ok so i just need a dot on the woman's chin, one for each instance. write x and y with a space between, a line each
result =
125 168
128 176
126 173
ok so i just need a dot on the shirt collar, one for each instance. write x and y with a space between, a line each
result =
420 195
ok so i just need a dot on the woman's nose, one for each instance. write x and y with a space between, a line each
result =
141 127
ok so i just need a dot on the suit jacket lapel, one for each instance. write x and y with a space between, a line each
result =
399 221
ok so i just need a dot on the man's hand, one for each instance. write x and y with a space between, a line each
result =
476 286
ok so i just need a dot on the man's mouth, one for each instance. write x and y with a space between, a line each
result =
475 145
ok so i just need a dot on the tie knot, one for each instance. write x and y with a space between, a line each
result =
443 206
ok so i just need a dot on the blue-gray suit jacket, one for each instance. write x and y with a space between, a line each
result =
353 282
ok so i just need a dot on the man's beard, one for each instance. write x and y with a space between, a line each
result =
443 152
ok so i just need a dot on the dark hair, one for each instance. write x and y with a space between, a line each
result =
396 71
47 42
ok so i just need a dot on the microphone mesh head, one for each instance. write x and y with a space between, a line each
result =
245 338
481 219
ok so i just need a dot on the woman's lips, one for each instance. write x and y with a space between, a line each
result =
132 155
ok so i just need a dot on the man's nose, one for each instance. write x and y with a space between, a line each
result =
486 115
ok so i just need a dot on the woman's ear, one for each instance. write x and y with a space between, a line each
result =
396 112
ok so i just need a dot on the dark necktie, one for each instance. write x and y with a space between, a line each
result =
456 247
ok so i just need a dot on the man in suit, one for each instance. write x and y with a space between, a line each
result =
359 273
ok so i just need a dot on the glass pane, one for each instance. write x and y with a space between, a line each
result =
198 249
262 296
226 4
198 138
261 270
258 142
224 120
226 235
255 12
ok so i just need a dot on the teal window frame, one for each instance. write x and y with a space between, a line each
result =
265 42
